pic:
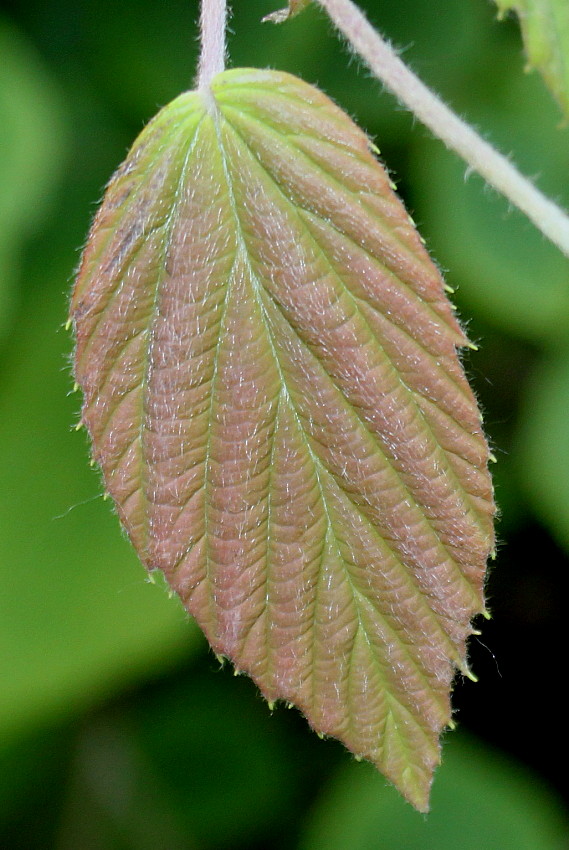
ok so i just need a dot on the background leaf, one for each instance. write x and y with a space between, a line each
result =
32 140
545 28
57 602
280 414
490 801
543 443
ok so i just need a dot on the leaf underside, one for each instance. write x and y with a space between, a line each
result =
272 388
545 30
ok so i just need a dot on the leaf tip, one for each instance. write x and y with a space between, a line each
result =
281 15
276 17
416 790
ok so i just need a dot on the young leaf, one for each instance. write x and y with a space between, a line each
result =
293 8
272 388
545 29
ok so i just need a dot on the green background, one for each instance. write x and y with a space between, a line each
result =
118 728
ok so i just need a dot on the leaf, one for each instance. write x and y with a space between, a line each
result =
545 29
293 8
271 383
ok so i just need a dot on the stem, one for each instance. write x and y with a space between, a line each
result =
455 133
212 57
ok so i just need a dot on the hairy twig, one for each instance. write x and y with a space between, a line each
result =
212 57
495 168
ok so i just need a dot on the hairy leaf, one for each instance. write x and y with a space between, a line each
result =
293 8
545 28
271 383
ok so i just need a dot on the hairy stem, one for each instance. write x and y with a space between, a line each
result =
496 169
212 57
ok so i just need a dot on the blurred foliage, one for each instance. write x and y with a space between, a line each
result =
481 800
76 607
117 729
544 443
545 27
505 270
32 142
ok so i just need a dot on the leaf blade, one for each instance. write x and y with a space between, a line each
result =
309 470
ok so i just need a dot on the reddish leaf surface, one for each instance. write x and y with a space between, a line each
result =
271 384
